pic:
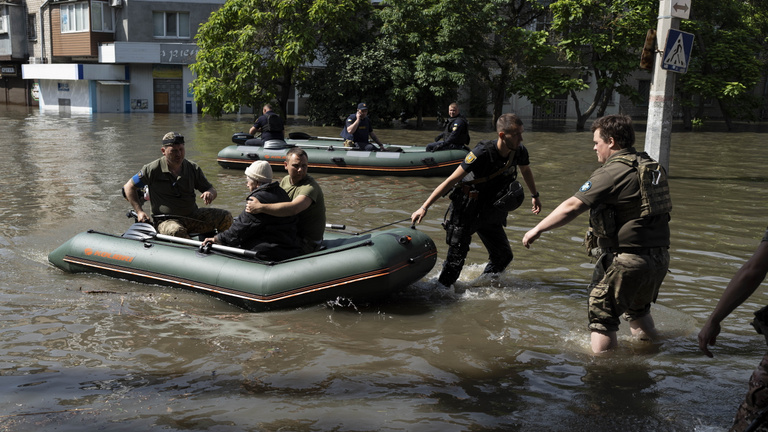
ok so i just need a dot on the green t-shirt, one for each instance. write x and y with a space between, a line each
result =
311 220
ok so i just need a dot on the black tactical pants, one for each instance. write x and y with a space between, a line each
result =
494 239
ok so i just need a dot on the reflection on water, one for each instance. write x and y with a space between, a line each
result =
85 352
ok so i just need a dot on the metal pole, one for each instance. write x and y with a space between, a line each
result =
660 103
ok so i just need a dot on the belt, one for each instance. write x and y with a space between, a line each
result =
637 250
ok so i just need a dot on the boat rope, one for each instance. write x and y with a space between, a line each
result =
384 226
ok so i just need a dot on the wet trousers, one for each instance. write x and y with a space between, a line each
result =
494 239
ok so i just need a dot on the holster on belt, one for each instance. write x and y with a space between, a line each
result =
590 245
460 214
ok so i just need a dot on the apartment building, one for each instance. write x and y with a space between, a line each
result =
14 52
114 56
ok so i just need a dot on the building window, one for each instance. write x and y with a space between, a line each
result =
102 17
74 17
32 27
171 24
3 19
644 90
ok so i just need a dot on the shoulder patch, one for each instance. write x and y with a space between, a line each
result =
470 158
586 186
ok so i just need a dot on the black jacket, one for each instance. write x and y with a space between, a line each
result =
272 238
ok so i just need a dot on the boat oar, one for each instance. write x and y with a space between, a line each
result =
144 231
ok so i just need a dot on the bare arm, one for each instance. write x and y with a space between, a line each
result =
562 215
130 191
353 127
527 173
439 191
283 209
742 285
209 195
376 139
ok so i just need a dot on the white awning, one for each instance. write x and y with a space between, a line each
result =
115 82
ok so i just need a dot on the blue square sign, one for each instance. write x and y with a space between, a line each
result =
677 51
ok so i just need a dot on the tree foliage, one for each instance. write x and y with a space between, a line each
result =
250 51
728 58
602 38
413 56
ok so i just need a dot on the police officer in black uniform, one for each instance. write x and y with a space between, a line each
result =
482 188
269 124
456 132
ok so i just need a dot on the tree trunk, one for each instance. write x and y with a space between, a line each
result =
726 115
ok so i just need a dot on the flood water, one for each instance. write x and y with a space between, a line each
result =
87 352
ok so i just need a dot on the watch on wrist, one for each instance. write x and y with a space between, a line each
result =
536 195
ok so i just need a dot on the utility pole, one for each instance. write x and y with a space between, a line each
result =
658 134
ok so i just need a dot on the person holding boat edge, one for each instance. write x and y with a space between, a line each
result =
632 232
358 130
456 133
172 180
269 124
307 201
487 174
272 238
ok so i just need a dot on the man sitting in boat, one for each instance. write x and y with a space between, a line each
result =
308 202
272 238
456 133
358 130
270 125
173 180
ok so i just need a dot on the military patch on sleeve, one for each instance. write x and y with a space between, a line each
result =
470 158
586 186
455 126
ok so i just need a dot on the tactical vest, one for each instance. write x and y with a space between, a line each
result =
654 196
274 123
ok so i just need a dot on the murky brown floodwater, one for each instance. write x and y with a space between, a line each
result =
514 358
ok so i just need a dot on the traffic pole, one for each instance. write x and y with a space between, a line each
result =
658 135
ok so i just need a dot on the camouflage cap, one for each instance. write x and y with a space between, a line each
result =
172 138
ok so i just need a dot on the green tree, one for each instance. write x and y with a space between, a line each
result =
413 58
727 61
251 51
513 53
431 42
354 71
602 39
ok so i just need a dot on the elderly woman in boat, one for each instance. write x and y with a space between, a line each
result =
272 238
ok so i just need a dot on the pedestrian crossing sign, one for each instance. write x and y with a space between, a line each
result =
677 51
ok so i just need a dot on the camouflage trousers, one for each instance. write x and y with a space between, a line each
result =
625 283
755 401
201 221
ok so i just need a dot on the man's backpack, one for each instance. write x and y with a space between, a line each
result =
654 188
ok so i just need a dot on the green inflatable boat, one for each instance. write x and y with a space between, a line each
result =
360 268
328 155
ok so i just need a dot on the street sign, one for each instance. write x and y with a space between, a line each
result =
677 51
680 8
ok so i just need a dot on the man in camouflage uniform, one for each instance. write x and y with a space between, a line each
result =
634 245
